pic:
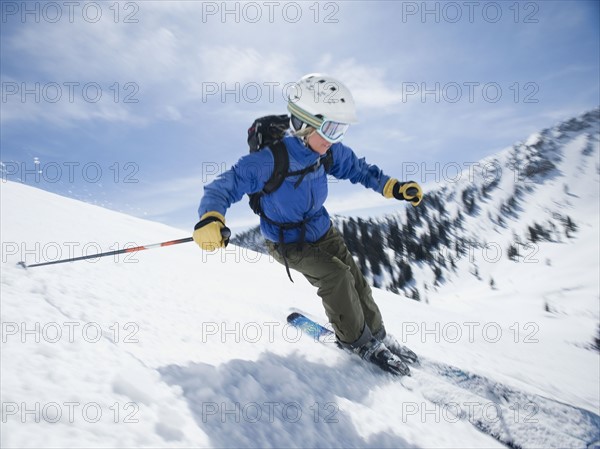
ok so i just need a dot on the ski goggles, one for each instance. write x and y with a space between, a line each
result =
331 131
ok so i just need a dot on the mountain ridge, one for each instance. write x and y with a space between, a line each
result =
475 213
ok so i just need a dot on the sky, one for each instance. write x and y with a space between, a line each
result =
136 105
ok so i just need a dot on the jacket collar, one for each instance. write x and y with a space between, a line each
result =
300 152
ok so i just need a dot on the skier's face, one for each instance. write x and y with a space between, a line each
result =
318 144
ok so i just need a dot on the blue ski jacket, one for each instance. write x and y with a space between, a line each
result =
290 204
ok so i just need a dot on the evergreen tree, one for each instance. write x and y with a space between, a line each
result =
401 280
420 253
407 270
394 239
513 253
570 227
437 272
533 234
409 229
458 221
364 234
434 239
362 263
453 264
442 232
468 200
373 259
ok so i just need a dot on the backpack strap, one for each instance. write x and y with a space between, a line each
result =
328 160
281 163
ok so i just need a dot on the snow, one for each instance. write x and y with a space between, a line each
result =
181 333
174 347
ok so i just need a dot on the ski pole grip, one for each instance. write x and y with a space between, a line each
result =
412 191
225 233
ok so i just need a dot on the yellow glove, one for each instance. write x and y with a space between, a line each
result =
210 232
408 191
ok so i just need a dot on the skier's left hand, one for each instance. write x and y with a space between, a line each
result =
407 191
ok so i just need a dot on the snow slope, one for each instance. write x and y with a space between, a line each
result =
177 348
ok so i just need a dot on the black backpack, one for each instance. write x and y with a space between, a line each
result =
268 131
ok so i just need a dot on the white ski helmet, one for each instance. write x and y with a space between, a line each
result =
317 98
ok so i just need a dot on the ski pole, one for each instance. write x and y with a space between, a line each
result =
225 232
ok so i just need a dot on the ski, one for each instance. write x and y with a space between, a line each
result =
389 363
513 417
311 328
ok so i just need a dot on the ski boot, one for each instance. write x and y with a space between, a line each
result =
405 354
376 352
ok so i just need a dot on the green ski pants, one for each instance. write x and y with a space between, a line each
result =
346 296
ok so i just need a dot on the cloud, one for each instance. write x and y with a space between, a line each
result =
369 85
170 54
164 58
176 191
65 103
102 74
242 64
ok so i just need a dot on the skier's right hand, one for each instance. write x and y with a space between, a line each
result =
208 232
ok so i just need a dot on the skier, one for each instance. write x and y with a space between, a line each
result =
297 227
